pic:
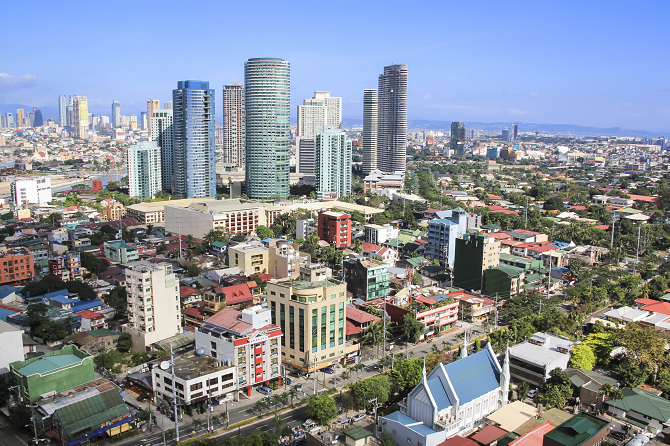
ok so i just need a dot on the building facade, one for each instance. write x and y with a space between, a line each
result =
152 104
66 267
62 111
370 127
306 150
234 124
193 140
251 257
112 209
144 169
442 235
267 101
285 259
116 114
17 266
80 116
161 131
153 303
367 279
31 190
473 255
392 119
457 140
333 163
335 228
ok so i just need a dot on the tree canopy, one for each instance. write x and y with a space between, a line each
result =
321 408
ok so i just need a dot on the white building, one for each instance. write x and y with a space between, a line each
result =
234 128
534 359
31 190
161 132
154 310
333 163
318 112
305 228
378 234
452 400
11 345
247 340
144 169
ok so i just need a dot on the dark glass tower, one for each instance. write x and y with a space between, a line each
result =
392 119
457 141
38 121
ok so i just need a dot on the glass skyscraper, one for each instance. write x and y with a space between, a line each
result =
392 119
267 96
193 140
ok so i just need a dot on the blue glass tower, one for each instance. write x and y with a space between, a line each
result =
193 140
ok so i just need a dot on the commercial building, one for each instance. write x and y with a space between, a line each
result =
234 125
193 139
11 345
366 279
306 155
144 169
154 212
503 281
31 190
62 111
534 359
370 127
267 102
153 303
378 234
112 209
120 252
335 228
161 131
152 104
80 116
312 317
52 372
17 265
285 259
442 235
197 378
473 255
333 163
251 257
392 119
116 114
247 341
66 267
312 117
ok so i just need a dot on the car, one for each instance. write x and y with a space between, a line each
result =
288 381
264 390
144 397
358 417
342 421
299 442
532 393
328 370
298 387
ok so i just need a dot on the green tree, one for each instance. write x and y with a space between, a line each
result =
645 346
51 331
601 344
611 393
553 397
663 383
118 299
264 232
417 279
632 375
386 440
582 357
522 390
553 203
255 439
321 408
406 374
378 386
125 342
412 329
36 315
93 264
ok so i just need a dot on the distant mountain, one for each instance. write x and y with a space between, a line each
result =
556 129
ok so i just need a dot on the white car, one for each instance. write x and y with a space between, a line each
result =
358 417
532 393
342 421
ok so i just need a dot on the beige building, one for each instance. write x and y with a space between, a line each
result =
152 104
312 317
153 303
251 257
285 259
112 209
152 213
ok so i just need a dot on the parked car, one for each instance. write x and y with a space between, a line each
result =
532 393
144 397
265 390
328 370
298 387
358 417
342 421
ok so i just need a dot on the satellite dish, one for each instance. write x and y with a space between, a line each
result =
165 365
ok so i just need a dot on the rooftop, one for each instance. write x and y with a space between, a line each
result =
46 364
306 285
189 367
577 429
541 349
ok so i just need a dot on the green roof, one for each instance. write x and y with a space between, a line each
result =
577 429
357 433
219 244
416 261
509 270
48 363
644 403
92 412
530 278
665 297
577 380
491 226
101 332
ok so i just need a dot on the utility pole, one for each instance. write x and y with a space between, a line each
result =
526 224
316 378
174 394
384 328
179 223
637 252
32 417
374 404
612 241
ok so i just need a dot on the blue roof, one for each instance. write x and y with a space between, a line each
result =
85 305
4 313
439 394
6 290
59 296
474 375
446 221
412 424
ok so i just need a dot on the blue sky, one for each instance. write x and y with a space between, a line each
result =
594 63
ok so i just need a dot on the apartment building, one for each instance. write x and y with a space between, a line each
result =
285 259
442 235
312 317
17 266
367 279
378 234
31 190
112 209
66 267
153 303
120 252
251 257
473 255
335 228
247 340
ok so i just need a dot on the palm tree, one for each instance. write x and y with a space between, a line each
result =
522 390
189 241
197 423
292 394
611 393
260 405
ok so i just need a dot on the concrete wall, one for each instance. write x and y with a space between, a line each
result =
11 346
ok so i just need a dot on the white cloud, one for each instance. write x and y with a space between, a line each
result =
534 94
427 96
9 81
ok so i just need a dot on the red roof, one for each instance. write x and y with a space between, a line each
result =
603 227
500 235
457 440
643 198
187 291
544 248
578 208
643 301
425 300
196 312
431 211
360 316
352 329
658 307
88 314
229 318
236 294
488 435
534 437
370 247
494 197
265 277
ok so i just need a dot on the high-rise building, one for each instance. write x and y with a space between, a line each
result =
370 123
144 169
116 114
193 140
312 117
20 116
267 97
38 120
152 104
306 150
62 111
392 119
333 163
515 130
168 105
505 134
457 141
80 116
69 111
9 121
334 106
474 254
234 133
335 228
161 132
144 123
154 311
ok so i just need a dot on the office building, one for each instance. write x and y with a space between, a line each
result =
234 133
442 235
152 104
333 163
312 319
251 257
62 111
333 106
116 114
505 135
370 123
112 209
378 234
144 123
153 303
247 341
20 118
193 140
474 254
515 131
392 119
80 116
31 190
367 279
285 259
306 151
38 120
161 132
335 228
267 97
144 169
457 140
168 105
534 359
312 116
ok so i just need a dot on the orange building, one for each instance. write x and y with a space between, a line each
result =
17 266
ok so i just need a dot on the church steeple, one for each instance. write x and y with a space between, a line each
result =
505 378
464 350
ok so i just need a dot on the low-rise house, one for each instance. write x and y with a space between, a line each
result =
641 408
588 383
120 252
581 430
94 340
534 359
358 321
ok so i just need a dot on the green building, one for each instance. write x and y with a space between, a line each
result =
366 279
474 254
53 372
503 280
521 262
581 430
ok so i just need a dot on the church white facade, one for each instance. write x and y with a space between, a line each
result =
451 400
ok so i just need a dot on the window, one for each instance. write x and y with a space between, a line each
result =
213 345
196 386
213 381
167 380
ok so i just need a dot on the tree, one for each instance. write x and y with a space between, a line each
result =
255 439
51 283
553 397
522 390
601 344
51 331
632 375
553 203
646 346
193 270
406 374
386 440
36 315
557 389
93 264
125 342
611 393
417 279
663 383
321 408
264 232
378 386
118 299
582 357
412 328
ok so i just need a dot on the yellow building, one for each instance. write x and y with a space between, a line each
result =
112 209
252 257
285 259
312 316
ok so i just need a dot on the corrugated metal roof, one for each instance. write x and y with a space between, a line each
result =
474 376
92 412
439 394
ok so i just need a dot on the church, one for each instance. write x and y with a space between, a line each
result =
451 400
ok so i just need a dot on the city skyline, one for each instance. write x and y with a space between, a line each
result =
514 64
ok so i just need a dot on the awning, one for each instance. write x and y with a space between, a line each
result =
113 431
